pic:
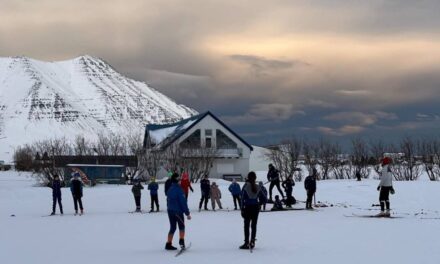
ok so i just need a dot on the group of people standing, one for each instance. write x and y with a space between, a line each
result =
76 188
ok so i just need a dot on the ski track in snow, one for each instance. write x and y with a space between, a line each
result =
107 233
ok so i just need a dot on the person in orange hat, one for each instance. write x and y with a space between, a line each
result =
385 186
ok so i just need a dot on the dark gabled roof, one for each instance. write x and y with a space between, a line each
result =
182 127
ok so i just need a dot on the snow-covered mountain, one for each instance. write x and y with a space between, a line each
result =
82 96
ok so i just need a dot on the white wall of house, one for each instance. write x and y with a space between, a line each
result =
234 164
258 159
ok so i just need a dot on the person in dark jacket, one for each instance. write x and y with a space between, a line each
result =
310 186
288 188
153 187
264 191
273 176
167 184
235 191
277 204
177 206
251 198
76 187
205 187
56 194
136 190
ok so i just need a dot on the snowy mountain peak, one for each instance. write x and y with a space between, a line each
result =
84 95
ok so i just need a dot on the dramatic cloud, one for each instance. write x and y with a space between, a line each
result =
353 66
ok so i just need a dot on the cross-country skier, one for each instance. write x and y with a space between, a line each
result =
251 198
264 191
310 186
385 187
216 195
235 190
288 188
205 187
76 187
277 204
56 194
136 190
273 176
153 187
177 207
185 183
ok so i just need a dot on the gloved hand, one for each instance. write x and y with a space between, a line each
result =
392 190
378 188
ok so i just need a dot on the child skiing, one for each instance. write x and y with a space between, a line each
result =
310 186
153 187
235 190
251 198
56 194
273 176
76 187
216 195
277 204
136 190
177 207
205 187
185 183
385 187
264 191
288 188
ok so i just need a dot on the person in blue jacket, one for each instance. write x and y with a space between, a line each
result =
76 187
177 207
235 190
251 199
153 187
56 194
264 191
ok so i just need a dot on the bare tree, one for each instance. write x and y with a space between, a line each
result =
311 155
359 158
408 169
198 161
429 151
82 146
327 155
285 157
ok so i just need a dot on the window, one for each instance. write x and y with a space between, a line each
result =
208 143
208 138
223 141
192 141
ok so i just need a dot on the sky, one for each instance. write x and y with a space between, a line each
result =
268 69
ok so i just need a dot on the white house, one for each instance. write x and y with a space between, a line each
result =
232 153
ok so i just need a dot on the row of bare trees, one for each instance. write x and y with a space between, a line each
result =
38 156
411 157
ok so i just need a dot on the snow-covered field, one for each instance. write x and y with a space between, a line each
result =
107 233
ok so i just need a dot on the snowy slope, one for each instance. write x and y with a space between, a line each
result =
108 234
84 96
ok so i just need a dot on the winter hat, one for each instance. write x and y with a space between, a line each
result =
174 177
260 183
386 161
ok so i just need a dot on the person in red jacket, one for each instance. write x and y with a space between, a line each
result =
185 183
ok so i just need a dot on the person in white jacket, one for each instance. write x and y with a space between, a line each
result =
385 187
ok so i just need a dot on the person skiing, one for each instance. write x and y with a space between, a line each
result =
136 190
185 183
310 186
273 176
288 188
216 195
264 191
76 187
251 198
235 191
277 204
205 187
176 206
153 187
56 194
385 187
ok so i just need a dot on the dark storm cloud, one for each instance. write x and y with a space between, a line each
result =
270 68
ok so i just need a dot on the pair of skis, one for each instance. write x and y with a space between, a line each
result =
182 250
